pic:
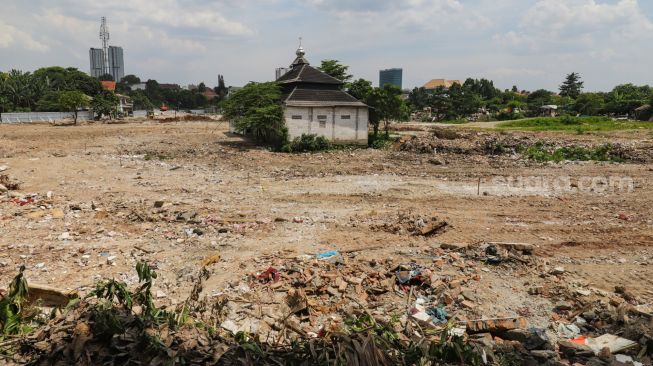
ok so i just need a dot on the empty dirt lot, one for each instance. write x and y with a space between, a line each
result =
178 194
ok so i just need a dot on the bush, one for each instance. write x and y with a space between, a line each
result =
508 116
307 143
380 141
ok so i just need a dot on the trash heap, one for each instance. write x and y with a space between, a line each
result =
296 305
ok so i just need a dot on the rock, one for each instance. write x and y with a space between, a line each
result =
160 294
64 236
543 354
568 331
111 260
496 325
230 326
572 350
583 292
3 168
158 204
3 189
467 304
57 213
562 306
453 246
534 338
557 271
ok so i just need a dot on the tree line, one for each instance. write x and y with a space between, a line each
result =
481 99
55 88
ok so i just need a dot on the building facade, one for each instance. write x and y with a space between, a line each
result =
116 63
96 56
314 103
391 76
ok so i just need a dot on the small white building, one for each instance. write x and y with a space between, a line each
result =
314 103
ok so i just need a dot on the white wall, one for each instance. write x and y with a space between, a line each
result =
334 126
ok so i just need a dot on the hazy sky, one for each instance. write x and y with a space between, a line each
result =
530 43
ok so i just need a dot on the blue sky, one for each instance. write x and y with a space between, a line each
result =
528 43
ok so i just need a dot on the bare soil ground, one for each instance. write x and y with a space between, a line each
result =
179 194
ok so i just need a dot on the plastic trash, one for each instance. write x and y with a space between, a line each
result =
329 254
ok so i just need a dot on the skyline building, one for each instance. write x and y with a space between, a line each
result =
108 59
116 63
391 76
96 56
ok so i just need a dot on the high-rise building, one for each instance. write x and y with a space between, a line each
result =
116 63
108 59
390 76
96 55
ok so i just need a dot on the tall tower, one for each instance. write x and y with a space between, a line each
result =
104 37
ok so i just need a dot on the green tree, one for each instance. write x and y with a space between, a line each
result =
590 104
572 86
221 90
256 110
385 105
106 77
419 98
140 100
336 69
464 101
50 102
105 104
537 99
624 99
73 101
130 79
153 92
360 89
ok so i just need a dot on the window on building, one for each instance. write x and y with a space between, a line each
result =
296 116
322 117
322 124
345 116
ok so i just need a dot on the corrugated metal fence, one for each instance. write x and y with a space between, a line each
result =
30 117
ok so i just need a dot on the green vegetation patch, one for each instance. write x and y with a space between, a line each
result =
574 124
539 152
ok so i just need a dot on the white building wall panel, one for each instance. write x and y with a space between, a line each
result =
345 124
329 122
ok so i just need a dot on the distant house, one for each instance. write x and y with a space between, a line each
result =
436 83
139 86
125 106
549 110
209 94
314 103
644 113
108 85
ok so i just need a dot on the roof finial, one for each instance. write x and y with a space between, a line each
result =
300 51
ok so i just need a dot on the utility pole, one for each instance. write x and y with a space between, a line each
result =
104 37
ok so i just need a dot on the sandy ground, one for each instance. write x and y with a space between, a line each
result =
223 197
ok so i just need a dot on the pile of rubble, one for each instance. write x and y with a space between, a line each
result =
313 297
487 143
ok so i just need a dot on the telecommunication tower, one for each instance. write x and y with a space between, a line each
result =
104 36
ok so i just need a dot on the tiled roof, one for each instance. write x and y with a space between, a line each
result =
305 73
441 82
321 97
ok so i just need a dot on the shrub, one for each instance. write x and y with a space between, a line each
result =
379 141
308 143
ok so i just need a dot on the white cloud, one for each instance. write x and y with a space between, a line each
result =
10 36
406 14
554 25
